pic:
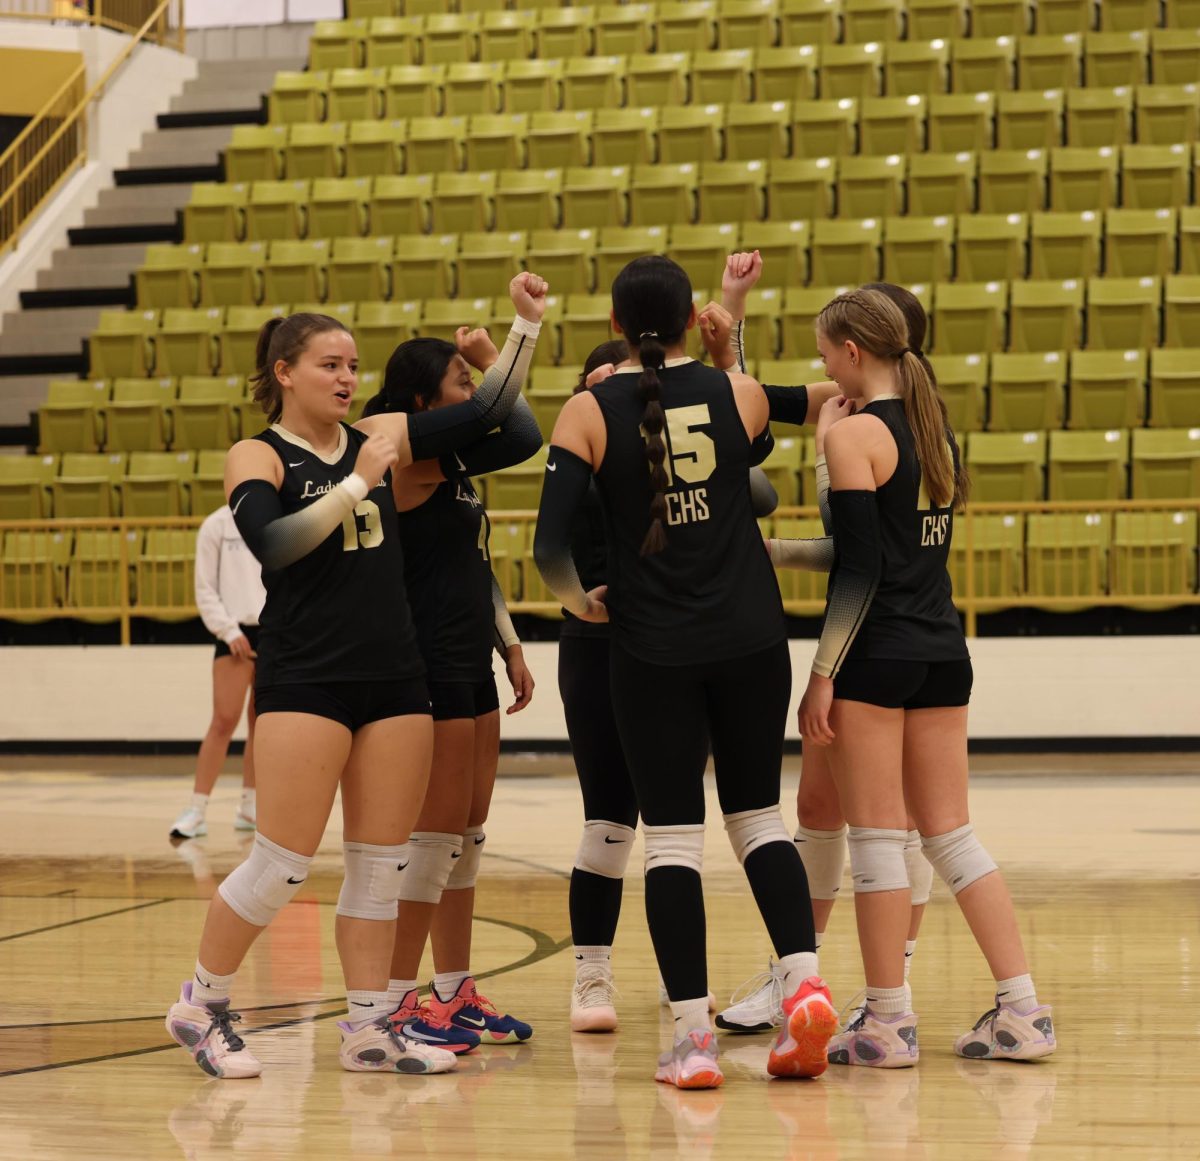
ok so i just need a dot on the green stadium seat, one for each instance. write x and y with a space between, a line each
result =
1166 463
423 266
1065 245
414 90
723 77
86 485
728 191
25 483
1027 120
993 18
1046 63
757 131
169 276
585 325
355 94
375 147
559 140
618 245
1107 390
595 197
1083 179
1058 17
164 583
1028 391
506 36
1099 117
1013 181
204 414
782 468
784 249
316 150
483 7
449 37
593 82
380 328
871 186
992 247
809 22
825 128
527 195
763 310
1154 555
969 317
1088 465
295 271
1123 313
892 125
787 73
357 269
941 183
153 483
801 189
1174 388
33 573
846 253
657 79
563 258
239 338
657 194
1167 114
918 249
1140 243
690 133
277 210
962 383
564 32
232 274
985 64
519 487
1154 176
441 317
961 123
462 202
623 29
1175 49
1189 240
997 543
1128 15
851 70
1007 467
1066 558
216 213
400 204
337 207
1046 315
746 24
344 312
297 97
391 41
495 141
532 86
98 573
917 66
624 137
68 421
435 144
472 89
187 342
336 44
1113 59
702 250
1181 310
487 261
797 320
685 27
547 401
119 347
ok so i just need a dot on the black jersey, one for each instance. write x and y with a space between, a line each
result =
912 616
711 593
448 575
589 551
333 615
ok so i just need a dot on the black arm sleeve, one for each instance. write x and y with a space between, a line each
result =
517 440
445 429
852 586
563 493
761 446
763 497
278 540
788 404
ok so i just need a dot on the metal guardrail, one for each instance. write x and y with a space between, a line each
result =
55 142
1059 557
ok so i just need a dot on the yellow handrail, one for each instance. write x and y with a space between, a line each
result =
112 569
54 144
117 15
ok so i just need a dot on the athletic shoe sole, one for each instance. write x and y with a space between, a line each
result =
808 1031
704 1078
745 1029
593 1021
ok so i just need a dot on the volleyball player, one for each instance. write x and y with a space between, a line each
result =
699 652
460 615
821 829
230 596
890 685
340 685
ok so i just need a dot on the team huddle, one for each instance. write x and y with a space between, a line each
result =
374 674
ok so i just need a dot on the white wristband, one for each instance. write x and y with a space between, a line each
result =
356 486
522 326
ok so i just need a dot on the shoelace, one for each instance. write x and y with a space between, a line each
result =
989 1015
595 991
765 981
389 1030
427 1015
480 1001
223 1021
858 1003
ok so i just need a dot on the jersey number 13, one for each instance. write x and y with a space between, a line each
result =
370 535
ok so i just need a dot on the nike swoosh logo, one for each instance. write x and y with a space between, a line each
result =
237 506
401 866
299 465
294 882
456 854
610 839
479 838
480 1023
204 985
358 1005
551 467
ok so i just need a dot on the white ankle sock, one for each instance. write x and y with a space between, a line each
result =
199 802
690 1015
366 1007
910 946
210 988
886 1001
447 983
398 989
592 954
797 968
249 800
1017 993
820 939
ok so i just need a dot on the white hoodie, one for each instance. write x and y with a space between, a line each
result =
229 588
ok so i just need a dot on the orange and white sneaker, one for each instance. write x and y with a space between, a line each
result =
1006 1034
377 1048
809 1020
692 1062
877 1041
206 1031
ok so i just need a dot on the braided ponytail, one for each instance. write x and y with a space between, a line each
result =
652 355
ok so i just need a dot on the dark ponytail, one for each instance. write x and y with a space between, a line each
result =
611 351
412 380
652 302
283 338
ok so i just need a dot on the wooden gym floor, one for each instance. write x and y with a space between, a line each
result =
99 916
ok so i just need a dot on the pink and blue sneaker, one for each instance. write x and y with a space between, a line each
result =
420 1023
469 1010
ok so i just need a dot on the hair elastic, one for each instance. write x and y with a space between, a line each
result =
647 335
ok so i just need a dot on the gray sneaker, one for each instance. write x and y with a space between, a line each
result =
692 1063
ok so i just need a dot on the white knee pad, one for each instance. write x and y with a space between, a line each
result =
877 859
823 853
604 848
465 870
259 888
674 846
428 861
958 857
372 880
920 872
750 829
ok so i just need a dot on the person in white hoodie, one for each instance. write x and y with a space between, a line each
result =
230 597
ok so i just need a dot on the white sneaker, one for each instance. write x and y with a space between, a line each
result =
206 1032
665 1000
377 1048
245 820
190 824
592 1008
757 1006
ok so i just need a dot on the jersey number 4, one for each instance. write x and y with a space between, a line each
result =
370 535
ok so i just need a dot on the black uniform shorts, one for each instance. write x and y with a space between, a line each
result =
463 699
909 685
251 633
352 703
